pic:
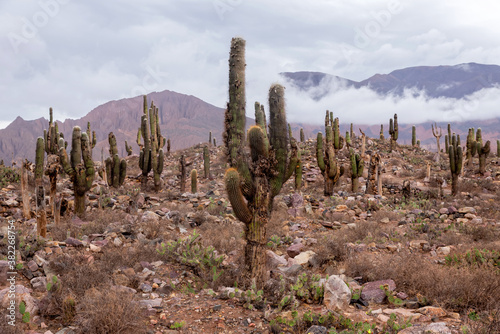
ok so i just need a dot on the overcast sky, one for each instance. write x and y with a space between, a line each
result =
75 55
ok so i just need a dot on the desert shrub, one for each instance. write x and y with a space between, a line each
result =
8 175
482 323
109 311
456 288
226 237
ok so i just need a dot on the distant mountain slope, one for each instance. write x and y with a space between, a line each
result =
455 81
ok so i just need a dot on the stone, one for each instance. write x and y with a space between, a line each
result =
149 216
443 211
434 328
118 242
432 311
304 257
73 242
40 261
385 220
418 244
22 294
443 250
317 330
373 293
39 284
467 209
94 248
274 260
146 287
452 210
150 303
32 266
294 250
337 293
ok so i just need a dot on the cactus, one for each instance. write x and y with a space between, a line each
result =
253 181
302 138
151 156
210 138
298 172
206 162
194 181
52 136
471 147
215 143
92 138
168 145
498 148
363 143
116 169
128 149
413 136
393 131
182 167
455 155
41 216
483 152
357 166
372 186
437 135
347 139
446 141
382 132
81 174
327 161
449 134
351 132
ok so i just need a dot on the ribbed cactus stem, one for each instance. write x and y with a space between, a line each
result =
39 189
456 156
381 132
357 166
210 138
206 162
194 181
240 208
498 148
393 131
483 152
413 136
128 149
116 169
437 135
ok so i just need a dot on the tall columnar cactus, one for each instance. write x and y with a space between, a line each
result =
206 162
437 135
471 146
168 145
381 132
80 173
413 136
151 156
456 156
194 181
41 216
483 152
363 143
351 133
327 162
210 138
498 148
374 183
116 169
253 181
92 138
348 139
357 166
298 172
52 136
393 131
446 141
128 149
302 138
182 168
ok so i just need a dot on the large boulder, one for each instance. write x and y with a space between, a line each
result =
337 293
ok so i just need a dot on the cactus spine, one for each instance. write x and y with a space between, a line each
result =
253 182
80 173
455 155
151 156
116 169
357 166
41 216
393 131
206 162
413 136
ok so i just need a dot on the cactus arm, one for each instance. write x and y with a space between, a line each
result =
240 208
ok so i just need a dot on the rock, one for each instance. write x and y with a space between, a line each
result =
467 209
40 261
317 330
274 260
150 303
337 293
373 293
292 271
94 248
73 242
39 284
149 216
443 250
146 288
304 257
452 210
443 211
21 294
434 328
66 330
432 311
385 220
118 242
418 244
32 266
294 250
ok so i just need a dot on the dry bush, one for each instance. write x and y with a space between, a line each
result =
480 233
109 311
226 237
485 323
381 214
100 219
454 288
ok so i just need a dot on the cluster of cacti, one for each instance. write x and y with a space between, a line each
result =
194 181
128 149
456 157
357 166
53 139
437 136
253 182
393 131
413 136
338 140
206 162
116 169
151 156
80 173
447 138
325 155
41 216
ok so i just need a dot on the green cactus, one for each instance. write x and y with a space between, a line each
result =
168 145
446 141
413 136
92 138
194 181
210 138
298 172
253 182
327 161
52 137
455 155
128 149
393 131
483 152
116 169
151 156
39 190
471 146
382 132
206 162
449 134
80 173
357 166
302 138
347 138
498 148
351 133
437 135
182 168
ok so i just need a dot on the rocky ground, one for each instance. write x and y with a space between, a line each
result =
165 262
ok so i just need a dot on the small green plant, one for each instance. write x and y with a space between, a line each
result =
253 297
308 288
19 266
177 325
474 258
396 323
390 297
25 315
8 175
275 242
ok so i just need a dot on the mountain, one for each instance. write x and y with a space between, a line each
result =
455 81
185 119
